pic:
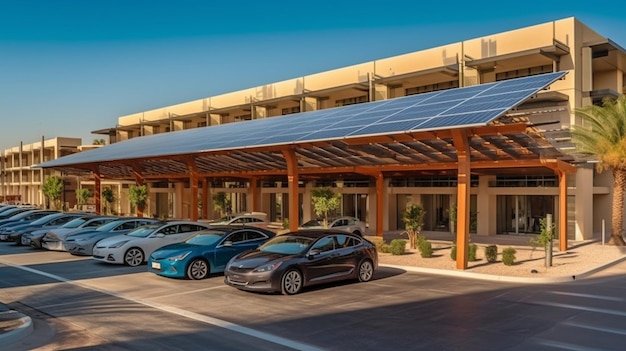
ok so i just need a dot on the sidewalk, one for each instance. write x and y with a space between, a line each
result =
14 326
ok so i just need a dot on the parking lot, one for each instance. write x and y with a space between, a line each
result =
129 308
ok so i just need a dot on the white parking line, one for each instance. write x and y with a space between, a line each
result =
178 311
590 296
580 308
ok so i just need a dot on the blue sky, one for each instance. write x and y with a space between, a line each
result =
68 67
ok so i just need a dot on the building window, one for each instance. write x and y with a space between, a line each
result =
247 117
518 73
290 110
187 125
430 182
351 101
201 124
525 181
431 87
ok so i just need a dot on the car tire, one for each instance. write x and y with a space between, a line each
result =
366 271
133 257
291 283
198 269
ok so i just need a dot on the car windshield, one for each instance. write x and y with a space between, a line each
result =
74 223
288 245
44 220
206 238
145 231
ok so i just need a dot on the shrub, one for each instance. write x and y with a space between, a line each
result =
397 246
508 256
426 248
453 252
385 248
377 241
491 253
471 253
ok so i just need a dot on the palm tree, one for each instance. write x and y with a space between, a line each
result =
602 135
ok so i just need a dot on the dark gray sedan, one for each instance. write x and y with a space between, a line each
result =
287 263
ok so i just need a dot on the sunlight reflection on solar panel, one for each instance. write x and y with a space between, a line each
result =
467 106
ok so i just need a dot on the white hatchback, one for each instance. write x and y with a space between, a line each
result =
134 247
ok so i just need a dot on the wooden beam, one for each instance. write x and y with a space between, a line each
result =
461 143
292 181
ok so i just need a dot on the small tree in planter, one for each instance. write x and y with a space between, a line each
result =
325 201
52 189
108 196
138 197
545 238
413 222
82 195
222 203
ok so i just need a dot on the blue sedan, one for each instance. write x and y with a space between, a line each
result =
207 252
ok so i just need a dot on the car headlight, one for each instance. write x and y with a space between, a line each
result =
6 231
118 244
268 267
82 239
179 257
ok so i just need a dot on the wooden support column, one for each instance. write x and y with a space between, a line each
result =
193 184
292 181
97 191
562 211
380 203
254 188
463 196
205 198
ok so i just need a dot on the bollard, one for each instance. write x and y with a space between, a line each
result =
549 247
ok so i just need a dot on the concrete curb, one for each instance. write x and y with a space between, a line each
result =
501 278
23 327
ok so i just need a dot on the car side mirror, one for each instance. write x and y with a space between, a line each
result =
159 235
313 253
227 243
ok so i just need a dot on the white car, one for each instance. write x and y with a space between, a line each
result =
345 223
250 218
134 247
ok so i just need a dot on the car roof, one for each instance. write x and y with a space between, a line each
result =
316 233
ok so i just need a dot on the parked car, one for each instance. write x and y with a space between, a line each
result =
26 216
16 231
248 218
83 241
34 237
207 252
289 262
345 223
53 240
133 248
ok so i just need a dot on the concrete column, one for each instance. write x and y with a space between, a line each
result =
307 206
583 204
308 104
179 190
485 205
381 92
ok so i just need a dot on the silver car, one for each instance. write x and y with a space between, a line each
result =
345 223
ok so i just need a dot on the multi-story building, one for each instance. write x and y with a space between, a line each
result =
20 183
505 201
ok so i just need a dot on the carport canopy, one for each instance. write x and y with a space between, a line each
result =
460 132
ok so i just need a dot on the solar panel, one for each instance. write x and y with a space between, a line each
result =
460 107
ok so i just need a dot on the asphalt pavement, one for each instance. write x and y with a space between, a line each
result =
16 326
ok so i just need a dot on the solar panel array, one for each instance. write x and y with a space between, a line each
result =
462 107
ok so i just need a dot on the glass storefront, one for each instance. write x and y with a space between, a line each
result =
521 214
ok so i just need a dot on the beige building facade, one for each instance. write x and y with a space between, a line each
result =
501 202
19 183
